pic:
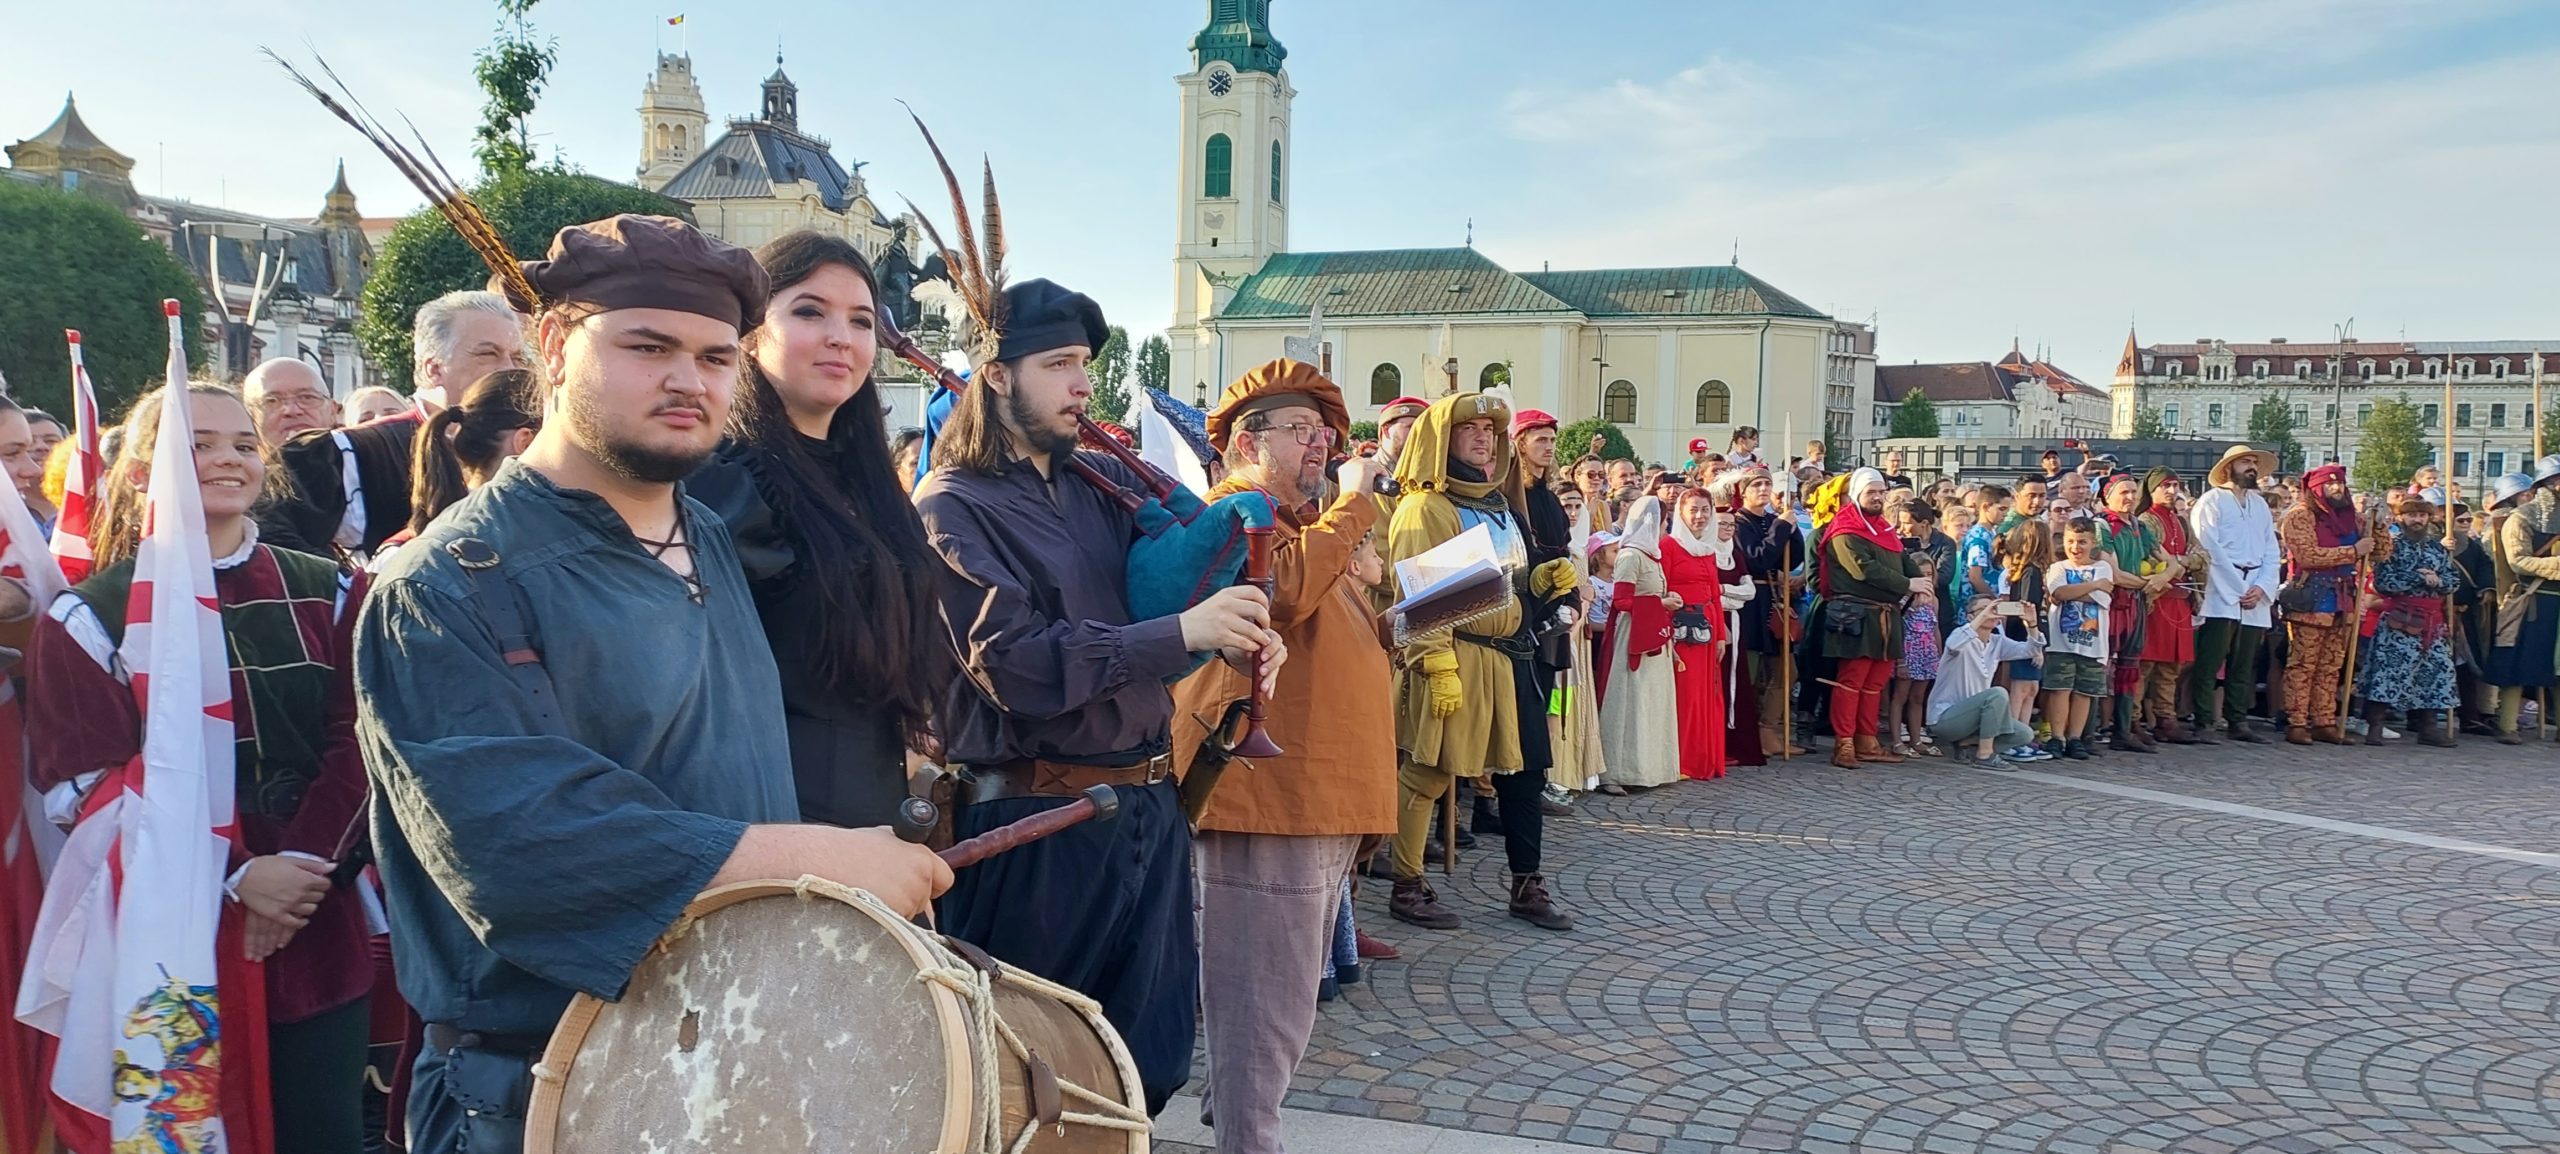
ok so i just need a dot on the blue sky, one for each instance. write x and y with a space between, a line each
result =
1964 172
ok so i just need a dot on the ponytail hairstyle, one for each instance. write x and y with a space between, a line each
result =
460 448
880 634
116 534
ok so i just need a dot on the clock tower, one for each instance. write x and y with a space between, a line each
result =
1235 189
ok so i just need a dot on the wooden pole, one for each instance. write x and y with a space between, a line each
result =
2351 615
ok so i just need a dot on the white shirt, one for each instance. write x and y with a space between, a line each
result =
1965 668
2237 531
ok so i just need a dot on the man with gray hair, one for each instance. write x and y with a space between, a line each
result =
459 338
288 397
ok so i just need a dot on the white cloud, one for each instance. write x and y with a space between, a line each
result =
2400 201
2300 31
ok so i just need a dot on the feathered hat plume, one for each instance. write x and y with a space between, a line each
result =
976 270
423 170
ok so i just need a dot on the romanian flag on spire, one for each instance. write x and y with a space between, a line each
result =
672 21
85 476
162 1039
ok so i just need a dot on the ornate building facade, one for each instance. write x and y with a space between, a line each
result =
763 176
274 286
2207 388
1668 354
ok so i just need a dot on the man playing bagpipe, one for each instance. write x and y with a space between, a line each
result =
1062 689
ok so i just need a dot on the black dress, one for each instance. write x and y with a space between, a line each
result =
848 757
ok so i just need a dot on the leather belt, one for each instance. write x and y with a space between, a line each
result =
1033 777
444 1037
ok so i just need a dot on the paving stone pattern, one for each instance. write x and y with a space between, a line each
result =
1924 958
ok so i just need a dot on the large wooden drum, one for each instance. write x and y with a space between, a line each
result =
779 1016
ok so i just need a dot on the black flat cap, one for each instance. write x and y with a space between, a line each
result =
1041 315
648 262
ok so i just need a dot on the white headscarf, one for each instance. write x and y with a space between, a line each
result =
1644 527
1693 543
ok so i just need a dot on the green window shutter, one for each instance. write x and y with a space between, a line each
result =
1218 168
1275 172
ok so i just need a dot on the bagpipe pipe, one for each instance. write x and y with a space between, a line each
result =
1187 548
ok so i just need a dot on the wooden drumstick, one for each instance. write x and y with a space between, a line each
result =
1099 803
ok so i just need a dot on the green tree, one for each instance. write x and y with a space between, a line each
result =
2550 434
1916 416
2391 445
1364 431
1110 373
424 259
1574 442
2148 425
1155 363
2271 423
69 261
511 71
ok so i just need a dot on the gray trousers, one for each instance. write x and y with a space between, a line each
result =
1986 712
1266 919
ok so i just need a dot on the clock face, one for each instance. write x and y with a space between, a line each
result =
1220 80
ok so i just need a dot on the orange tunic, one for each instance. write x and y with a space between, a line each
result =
1334 710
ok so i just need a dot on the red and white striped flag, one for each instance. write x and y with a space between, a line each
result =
124 965
86 475
28 843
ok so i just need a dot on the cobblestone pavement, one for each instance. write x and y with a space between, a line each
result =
1928 958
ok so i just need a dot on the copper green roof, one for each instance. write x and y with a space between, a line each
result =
1239 33
1386 282
1461 281
1715 290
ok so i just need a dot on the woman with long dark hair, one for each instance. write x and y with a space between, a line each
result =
836 555
461 446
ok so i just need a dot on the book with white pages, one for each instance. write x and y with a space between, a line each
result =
1454 582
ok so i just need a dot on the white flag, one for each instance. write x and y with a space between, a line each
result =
125 974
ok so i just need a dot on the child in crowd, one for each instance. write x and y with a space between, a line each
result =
2078 590
2024 553
1907 701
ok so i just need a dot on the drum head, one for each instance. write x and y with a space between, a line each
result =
782 1017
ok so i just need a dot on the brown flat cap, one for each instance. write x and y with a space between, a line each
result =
648 262
1278 384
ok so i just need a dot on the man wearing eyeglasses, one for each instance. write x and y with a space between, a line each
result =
1276 839
288 397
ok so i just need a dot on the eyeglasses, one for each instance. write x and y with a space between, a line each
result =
1302 433
303 402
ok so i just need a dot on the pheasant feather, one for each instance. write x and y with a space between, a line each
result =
427 173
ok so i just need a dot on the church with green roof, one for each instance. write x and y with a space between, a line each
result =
1669 354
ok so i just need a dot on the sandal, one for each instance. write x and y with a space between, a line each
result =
1928 749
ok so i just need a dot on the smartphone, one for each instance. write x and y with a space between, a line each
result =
2010 608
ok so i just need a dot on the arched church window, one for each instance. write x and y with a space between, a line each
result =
666 136
1618 402
1715 403
1385 383
1217 167
1275 172
1494 374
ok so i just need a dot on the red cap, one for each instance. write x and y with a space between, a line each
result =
1527 419
1698 446
1402 407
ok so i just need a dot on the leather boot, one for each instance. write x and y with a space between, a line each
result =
1531 903
2130 739
2205 735
1844 754
2172 733
1371 949
2373 727
1413 903
2331 734
1870 749
2431 729
2298 734
2241 731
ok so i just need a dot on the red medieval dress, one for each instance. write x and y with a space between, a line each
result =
1700 639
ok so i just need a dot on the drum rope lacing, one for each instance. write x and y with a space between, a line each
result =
977 987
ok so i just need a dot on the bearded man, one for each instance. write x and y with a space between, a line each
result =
2324 538
1276 837
2237 535
1460 713
1063 690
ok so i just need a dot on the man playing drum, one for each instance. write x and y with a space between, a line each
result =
565 700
